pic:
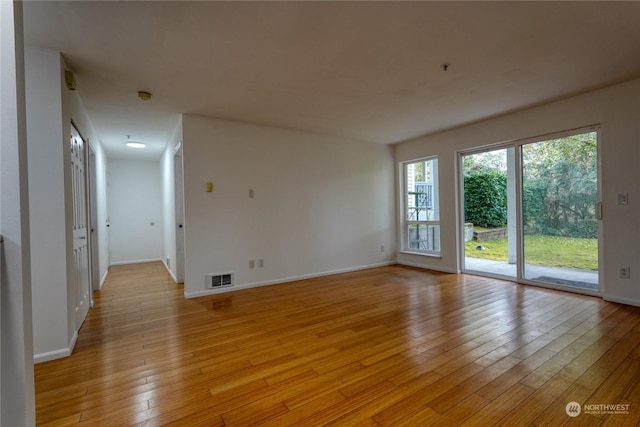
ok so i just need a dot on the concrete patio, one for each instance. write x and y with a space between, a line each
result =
570 277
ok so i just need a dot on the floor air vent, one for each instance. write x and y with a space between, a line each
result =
220 280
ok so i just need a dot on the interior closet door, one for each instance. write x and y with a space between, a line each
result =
80 226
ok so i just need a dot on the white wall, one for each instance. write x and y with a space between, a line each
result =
321 204
617 110
51 108
102 214
73 110
46 198
135 211
168 202
17 403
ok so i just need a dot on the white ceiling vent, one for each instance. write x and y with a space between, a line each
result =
218 280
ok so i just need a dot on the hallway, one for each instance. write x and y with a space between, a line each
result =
386 346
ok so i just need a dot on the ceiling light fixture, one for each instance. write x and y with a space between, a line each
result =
136 145
145 96
133 144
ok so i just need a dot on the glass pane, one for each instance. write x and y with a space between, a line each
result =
560 192
489 212
421 206
421 197
424 237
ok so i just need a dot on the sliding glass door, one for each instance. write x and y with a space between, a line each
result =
531 211
559 207
490 212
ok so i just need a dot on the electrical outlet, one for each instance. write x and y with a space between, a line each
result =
252 263
260 263
381 248
624 272
251 194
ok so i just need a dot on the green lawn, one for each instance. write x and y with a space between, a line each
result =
552 251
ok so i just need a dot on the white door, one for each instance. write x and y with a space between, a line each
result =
93 222
80 246
179 212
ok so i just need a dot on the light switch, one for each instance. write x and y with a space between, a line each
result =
209 187
623 198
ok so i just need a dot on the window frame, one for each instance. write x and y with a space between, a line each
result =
406 205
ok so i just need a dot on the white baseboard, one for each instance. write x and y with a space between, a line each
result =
173 276
283 280
621 300
104 277
424 267
57 354
137 261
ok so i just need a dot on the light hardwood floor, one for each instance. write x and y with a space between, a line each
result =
388 346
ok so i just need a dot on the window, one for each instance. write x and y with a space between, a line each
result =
421 227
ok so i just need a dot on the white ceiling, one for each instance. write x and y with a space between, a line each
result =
370 71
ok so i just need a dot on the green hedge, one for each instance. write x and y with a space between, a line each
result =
485 199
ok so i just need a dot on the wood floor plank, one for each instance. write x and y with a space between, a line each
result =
338 412
578 392
509 378
538 402
445 402
387 346
508 401
305 411
461 411
423 390
325 384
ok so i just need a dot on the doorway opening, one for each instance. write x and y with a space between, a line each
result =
490 212
531 211
179 212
